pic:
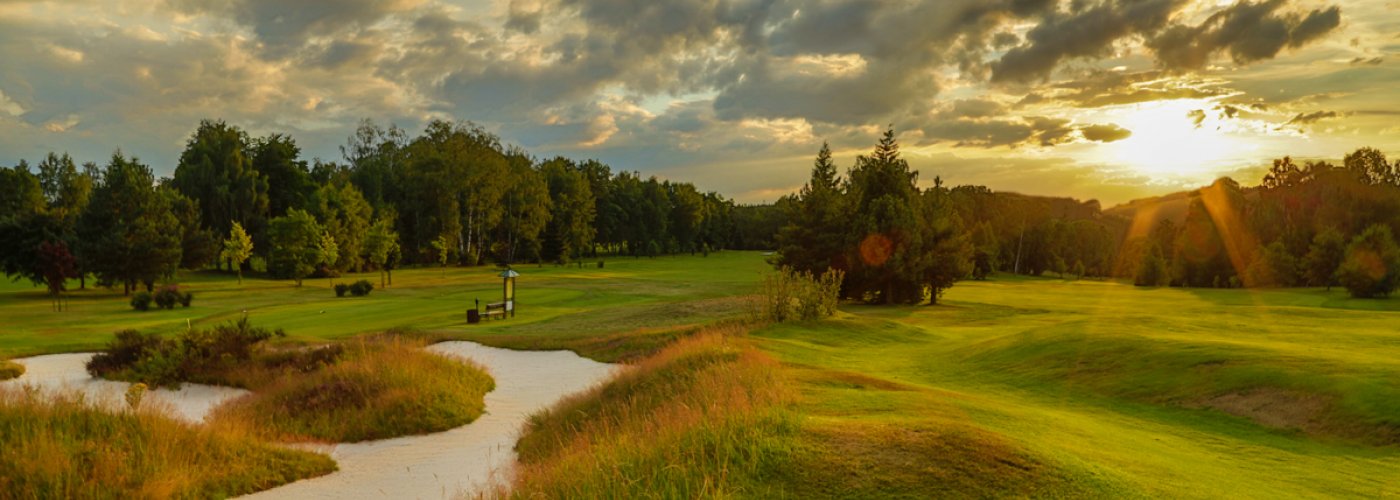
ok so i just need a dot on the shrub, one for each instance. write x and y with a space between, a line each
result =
361 288
195 356
141 301
10 369
167 296
790 295
186 298
340 289
1371 267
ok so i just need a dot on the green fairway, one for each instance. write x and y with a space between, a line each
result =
566 300
1158 392
1024 386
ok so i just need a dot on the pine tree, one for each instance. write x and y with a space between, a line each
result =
815 238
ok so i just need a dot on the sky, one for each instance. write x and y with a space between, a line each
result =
1095 99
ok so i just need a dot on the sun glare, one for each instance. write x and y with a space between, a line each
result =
1168 144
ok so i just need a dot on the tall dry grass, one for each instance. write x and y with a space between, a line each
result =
378 388
706 416
58 445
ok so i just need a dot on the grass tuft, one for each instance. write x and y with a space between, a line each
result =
63 446
378 389
706 416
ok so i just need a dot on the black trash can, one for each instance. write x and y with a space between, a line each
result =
473 316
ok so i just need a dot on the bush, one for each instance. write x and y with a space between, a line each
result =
167 296
361 288
790 295
195 356
186 298
141 301
1372 264
10 369
340 289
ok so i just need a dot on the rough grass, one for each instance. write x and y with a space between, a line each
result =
1317 397
379 389
707 416
60 446
1102 389
10 369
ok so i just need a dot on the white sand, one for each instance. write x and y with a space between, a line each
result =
461 460
67 372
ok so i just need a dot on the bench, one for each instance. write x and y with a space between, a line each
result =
495 309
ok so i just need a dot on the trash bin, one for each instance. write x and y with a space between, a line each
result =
473 316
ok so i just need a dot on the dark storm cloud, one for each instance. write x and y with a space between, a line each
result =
524 18
1089 32
1246 31
285 27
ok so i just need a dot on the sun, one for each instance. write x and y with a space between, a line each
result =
1168 144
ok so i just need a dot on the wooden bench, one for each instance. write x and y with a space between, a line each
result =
495 309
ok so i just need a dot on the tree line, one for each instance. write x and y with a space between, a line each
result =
453 195
1317 224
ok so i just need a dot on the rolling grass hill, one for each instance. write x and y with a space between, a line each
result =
1014 386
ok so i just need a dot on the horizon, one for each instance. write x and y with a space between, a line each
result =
1082 100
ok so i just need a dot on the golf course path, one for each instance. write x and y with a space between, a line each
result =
68 372
461 460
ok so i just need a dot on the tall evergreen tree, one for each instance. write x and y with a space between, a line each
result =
815 237
886 219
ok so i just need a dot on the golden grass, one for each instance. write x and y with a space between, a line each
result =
706 416
380 388
63 446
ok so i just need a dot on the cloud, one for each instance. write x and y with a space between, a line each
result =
1197 116
1105 133
1246 31
9 106
62 124
998 132
1310 118
1089 32
524 16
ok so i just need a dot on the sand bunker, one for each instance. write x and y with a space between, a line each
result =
67 372
464 459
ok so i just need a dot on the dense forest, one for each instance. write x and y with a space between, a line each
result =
457 195
454 195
